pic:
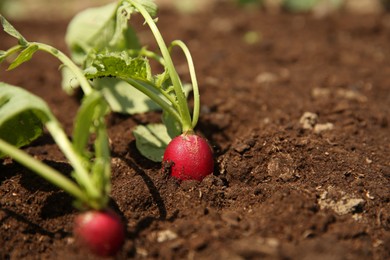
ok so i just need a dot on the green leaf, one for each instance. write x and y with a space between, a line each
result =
151 140
172 125
101 167
22 115
87 114
123 98
29 128
98 28
85 27
24 56
69 80
162 80
117 64
123 13
149 5
3 55
90 124
8 28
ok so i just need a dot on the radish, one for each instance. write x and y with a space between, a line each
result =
102 232
188 157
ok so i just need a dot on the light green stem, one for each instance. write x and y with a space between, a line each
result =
149 54
56 131
181 99
153 96
67 148
43 170
13 50
84 84
191 67
86 192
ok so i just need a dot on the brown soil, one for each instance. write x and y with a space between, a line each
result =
280 190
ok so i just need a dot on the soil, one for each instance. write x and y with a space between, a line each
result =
287 184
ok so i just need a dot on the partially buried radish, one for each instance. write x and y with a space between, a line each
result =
188 157
101 232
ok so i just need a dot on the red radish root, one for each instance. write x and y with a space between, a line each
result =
189 157
101 232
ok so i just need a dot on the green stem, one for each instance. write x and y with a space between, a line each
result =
86 192
181 99
56 131
149 54
102 164
13 50
191 67
67 148
168 96
84 84
153 96
43 170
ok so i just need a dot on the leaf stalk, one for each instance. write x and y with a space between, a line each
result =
181 99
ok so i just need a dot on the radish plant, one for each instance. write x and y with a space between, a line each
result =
118 65
117 72
22 118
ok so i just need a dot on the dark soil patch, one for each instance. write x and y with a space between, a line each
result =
279 191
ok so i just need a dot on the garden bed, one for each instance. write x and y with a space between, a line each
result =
287 184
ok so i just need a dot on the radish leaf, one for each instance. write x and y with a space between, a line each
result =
22 115
123 98
8 28
24 56
99 28
149 5
151 140
85 119
69 80
101 33
3 55
117 64
173 127
95 29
